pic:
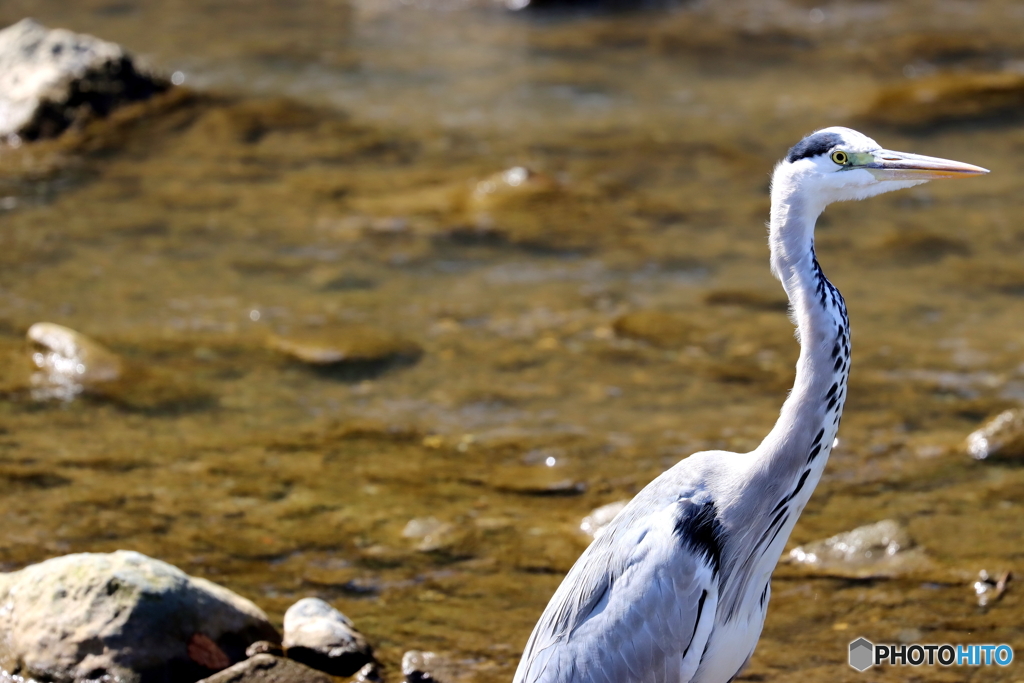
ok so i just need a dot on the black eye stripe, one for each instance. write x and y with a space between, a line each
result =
813 145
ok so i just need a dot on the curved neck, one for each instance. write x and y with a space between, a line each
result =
810 416
787 465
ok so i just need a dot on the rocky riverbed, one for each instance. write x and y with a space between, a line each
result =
387 299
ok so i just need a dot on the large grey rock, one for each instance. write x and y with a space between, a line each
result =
320 636
265 668
123 615
51 78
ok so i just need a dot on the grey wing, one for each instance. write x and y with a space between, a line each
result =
637 607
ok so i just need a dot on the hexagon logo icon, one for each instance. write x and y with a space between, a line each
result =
862 654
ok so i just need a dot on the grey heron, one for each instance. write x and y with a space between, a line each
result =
676 589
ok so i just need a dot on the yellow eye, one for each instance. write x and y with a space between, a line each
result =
841 157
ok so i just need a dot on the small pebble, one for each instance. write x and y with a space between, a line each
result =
426 667
431 533
510 186
323 638
1000 438
357 344
370 674
533 480
68 362
264 647
989 589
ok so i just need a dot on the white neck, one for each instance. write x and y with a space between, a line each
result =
780 475
824 332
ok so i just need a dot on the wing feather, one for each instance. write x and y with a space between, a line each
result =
630 608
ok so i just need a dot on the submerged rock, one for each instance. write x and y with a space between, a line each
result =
122 615
594 524
912 246
320 636
249 121
431 535
516 205
69 362
746 298
51 79
528 208
356 344
426 667
880 550
660 328
433 667
512 188
948 98
1002 437
538 481
264 668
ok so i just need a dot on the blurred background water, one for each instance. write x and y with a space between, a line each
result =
544 232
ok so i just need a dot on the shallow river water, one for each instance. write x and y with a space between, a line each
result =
582 325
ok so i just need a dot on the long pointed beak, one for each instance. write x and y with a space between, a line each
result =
889 165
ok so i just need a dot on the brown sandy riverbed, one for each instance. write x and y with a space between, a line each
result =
578 327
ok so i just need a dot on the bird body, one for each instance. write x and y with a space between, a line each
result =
676 588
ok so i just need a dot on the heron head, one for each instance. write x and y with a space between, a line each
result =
839 164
